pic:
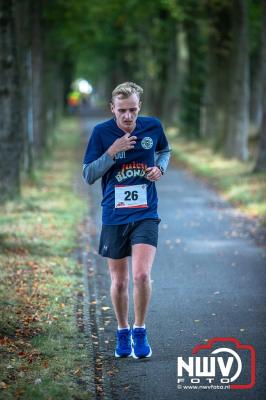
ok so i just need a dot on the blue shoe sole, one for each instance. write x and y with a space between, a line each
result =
136 357
147 356
125 356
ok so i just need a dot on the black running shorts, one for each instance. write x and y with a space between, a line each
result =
116 240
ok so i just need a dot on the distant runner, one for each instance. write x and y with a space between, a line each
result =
122 152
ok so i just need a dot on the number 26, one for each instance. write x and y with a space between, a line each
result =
131 195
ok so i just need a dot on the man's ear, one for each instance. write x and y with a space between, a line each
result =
112 107
140 104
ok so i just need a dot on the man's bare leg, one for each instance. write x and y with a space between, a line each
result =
142 260
119 289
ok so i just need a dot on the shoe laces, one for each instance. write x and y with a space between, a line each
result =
141 337
124 339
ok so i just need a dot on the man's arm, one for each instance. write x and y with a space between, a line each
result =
96 169
161 163
163 157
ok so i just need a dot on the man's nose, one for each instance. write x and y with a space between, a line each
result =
128 115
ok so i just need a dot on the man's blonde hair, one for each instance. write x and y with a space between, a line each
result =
126 89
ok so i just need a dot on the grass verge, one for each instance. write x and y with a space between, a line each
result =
234 179
42 347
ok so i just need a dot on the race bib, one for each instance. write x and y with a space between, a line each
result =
133 196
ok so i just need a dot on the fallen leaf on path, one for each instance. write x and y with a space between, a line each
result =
77 372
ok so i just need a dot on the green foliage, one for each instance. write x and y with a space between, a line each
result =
255 24
113 40
104 34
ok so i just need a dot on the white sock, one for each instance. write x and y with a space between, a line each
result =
119 328
136 326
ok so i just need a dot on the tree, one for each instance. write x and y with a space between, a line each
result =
194 81
236 141
10 103
24 70
216 88
261 158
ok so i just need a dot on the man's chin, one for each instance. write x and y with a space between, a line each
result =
128 126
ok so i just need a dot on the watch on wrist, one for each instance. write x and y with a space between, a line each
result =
161 169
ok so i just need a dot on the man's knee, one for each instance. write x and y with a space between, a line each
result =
119 285
141 278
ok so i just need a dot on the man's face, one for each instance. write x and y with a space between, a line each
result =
126 112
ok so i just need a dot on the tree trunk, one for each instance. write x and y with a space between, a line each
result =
208 114
53 96
261 159
215 99
170 100
22 14
182 67
256 93
236 143
11 121
194 85
37 79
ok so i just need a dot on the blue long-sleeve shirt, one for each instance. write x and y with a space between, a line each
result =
127 195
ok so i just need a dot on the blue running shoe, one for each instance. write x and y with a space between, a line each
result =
141 347
123 343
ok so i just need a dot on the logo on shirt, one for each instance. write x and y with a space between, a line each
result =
121 154
131 170
147 143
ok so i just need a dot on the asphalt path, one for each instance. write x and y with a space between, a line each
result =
208 281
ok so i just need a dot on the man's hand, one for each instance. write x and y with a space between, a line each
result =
153 173
125 143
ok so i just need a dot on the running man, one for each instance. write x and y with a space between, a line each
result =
122 152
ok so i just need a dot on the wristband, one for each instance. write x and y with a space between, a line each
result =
161 169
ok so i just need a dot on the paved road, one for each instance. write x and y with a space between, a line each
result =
208 281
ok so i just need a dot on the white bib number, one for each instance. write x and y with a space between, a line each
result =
133 196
